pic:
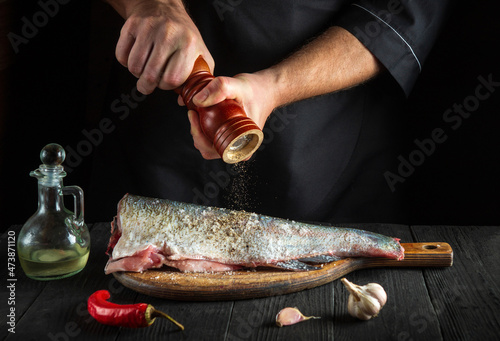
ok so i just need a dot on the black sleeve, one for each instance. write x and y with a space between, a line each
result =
400 33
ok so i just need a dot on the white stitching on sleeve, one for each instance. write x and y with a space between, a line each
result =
392 28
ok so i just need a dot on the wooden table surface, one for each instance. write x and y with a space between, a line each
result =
461 302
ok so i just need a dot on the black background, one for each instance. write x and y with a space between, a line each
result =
50 92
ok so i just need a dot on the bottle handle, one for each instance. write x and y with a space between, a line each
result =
77 194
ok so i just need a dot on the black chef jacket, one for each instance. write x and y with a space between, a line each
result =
322 159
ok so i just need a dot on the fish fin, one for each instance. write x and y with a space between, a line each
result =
294 265
320 259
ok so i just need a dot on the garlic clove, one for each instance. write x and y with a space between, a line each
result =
376 290
289 316
365 302
356 311
364 309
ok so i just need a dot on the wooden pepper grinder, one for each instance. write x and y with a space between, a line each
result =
235 136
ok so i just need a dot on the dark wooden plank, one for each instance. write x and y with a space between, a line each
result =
24 291
407 301
201 320
255 319
486 243
466 297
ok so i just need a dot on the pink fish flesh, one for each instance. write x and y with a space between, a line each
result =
149 233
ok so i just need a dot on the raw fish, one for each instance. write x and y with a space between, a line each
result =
149 233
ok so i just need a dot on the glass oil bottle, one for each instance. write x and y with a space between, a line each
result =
54 242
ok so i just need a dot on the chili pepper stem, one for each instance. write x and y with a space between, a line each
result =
153 313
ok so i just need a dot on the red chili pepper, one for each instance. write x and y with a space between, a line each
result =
128 315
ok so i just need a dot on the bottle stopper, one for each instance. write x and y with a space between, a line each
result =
52 157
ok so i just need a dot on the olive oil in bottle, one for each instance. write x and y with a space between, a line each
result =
53 263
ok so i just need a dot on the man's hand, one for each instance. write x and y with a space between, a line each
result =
158 43
334 61
251 91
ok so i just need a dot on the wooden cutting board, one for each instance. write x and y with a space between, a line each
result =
235 285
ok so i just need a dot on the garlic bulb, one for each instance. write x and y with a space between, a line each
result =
289 316
365 301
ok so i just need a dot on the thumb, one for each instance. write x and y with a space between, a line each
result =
219 89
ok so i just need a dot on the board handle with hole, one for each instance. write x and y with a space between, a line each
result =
430 254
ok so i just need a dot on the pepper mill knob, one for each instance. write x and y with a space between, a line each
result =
235 136
52 155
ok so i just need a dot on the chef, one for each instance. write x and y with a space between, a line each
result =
325 80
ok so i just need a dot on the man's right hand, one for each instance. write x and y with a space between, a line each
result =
158 43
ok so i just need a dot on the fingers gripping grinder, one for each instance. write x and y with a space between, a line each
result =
235 136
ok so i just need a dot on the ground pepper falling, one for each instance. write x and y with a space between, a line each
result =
239 194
